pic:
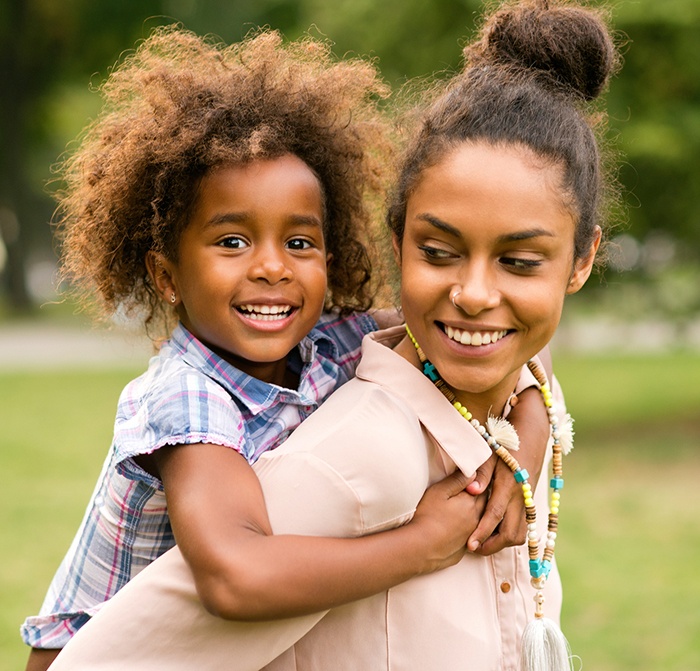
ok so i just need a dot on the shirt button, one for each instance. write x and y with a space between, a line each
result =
505 587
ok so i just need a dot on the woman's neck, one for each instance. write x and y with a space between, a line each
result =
481 405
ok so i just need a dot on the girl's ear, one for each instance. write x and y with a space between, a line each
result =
162 276
584 265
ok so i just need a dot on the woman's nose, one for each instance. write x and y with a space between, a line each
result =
476 289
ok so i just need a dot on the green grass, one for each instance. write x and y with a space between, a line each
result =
629 536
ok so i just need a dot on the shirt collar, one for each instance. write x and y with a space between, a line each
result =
256 395
450 430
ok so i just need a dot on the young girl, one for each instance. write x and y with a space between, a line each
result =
225 188
495 220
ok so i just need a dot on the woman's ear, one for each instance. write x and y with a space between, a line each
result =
162 276
396 244
584 265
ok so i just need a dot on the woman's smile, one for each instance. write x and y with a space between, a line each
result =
487 258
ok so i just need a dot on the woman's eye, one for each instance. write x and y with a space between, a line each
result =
299 244
520 264
434 253
233 242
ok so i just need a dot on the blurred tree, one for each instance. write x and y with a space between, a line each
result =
41 45
48 52
656 104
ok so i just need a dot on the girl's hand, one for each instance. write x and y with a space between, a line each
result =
445 518
503 523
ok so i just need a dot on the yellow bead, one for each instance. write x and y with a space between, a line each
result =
529 502
526 487
554 510
556 496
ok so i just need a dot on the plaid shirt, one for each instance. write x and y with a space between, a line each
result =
187 395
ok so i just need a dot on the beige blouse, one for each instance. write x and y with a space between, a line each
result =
358 465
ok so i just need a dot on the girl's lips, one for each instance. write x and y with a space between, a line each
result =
264 311
266 317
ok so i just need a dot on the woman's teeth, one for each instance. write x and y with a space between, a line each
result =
266 312
474 338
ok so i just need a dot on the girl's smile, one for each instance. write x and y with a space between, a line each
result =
486 260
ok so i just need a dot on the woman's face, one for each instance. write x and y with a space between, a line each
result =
489 222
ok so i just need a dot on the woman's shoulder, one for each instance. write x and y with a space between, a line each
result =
363 452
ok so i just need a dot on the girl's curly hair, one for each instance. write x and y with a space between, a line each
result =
181 105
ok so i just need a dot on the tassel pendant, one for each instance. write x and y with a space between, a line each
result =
544 646
566 434
503 432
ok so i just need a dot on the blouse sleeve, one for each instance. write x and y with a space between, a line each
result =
181 406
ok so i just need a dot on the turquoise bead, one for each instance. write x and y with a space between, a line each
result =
556 483
536 568
521 475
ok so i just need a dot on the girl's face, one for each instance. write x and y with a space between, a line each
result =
250 280
489 222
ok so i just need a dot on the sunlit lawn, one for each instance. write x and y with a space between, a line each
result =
629 545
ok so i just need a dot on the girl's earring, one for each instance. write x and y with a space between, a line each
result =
173 297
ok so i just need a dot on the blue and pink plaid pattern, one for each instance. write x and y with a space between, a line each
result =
187 395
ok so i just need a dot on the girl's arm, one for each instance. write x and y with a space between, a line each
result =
40 660
242 571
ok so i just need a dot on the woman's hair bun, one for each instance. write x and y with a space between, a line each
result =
571 45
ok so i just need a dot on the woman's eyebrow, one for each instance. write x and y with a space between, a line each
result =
439 224
525 234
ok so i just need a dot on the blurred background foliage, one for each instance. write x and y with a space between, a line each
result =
53 55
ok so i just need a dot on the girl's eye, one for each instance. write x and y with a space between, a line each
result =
233 242
299 244
520 264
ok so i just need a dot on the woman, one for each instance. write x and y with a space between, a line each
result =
495 220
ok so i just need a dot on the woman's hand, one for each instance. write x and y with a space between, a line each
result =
503 522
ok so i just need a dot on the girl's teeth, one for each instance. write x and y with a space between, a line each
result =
265 312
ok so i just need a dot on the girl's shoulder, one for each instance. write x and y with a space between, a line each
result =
346 331
172 403
333 320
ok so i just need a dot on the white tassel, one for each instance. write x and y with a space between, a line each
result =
544 647
504 432
566 434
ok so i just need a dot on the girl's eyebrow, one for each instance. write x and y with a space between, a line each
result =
516 236
237 217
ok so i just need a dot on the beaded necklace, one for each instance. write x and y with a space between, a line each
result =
539 568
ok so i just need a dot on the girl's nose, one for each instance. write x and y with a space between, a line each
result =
270 265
